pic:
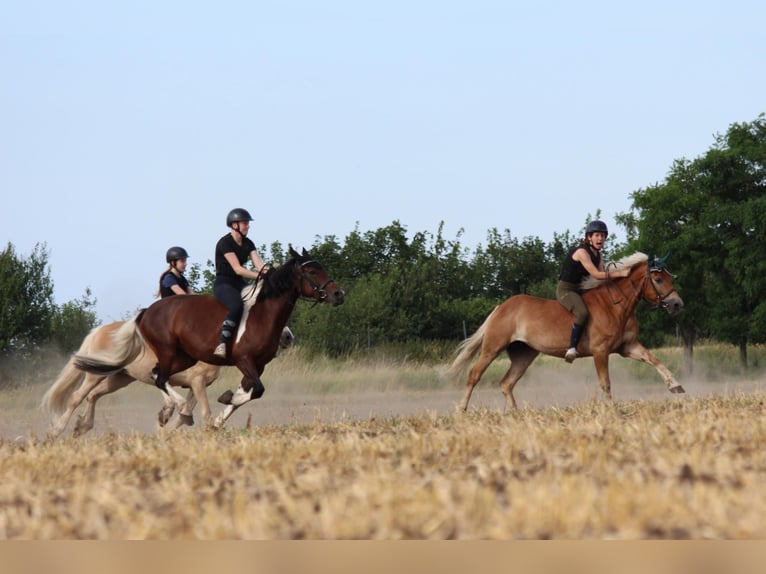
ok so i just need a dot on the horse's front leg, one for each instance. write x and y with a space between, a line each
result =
637 351
601 360
250 388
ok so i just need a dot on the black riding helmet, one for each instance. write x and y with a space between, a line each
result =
596 225
175 253
237 214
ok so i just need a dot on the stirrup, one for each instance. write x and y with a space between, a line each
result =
570 355
220 351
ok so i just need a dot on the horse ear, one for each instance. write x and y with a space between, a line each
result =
305 253
291 251
651 261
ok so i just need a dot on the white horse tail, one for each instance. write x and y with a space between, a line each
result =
55 398
127 344
468 349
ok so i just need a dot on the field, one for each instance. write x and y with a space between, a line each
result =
375 450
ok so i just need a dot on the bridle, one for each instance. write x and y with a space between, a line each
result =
660 304
320 290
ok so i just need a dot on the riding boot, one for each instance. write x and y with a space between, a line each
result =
227 332
574 338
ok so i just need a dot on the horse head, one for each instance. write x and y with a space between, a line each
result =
315 283
659 289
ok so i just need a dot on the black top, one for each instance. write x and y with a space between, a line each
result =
573 271
227 245
168 279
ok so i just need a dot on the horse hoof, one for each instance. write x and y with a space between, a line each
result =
187 420
677 390
225 398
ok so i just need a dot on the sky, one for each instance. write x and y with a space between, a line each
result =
129 127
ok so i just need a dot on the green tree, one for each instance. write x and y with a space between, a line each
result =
72 321
26 299
709 213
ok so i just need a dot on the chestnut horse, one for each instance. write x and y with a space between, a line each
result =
62 399
184 330
525 326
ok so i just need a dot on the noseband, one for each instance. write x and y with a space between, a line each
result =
320 290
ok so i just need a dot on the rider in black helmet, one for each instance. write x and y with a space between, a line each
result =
172 280
231 253
582 261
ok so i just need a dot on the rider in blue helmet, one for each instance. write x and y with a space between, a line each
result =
582 261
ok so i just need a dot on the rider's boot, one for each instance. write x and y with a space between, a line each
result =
227 332
574 338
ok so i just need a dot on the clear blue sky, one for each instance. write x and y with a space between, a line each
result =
128 127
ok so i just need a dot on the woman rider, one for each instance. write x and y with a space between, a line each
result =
231 252
172 280
583 260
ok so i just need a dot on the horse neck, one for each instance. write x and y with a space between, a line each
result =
275 310
624 293
632 287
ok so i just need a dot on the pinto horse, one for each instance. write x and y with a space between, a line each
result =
64 395
183 330
526 326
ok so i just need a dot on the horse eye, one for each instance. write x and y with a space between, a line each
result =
659 280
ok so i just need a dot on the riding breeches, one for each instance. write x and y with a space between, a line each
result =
568 295
229 293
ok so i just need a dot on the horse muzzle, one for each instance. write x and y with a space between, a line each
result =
335 297
673 305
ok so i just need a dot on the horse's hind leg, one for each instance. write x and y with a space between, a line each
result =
521 356
89 382
108 385
485 359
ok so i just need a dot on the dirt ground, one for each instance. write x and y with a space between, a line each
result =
135 408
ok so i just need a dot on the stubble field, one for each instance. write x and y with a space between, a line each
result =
377 451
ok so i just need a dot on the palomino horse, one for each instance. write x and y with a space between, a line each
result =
526 326
184 330
62 399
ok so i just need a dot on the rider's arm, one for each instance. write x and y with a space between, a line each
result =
242 271
582 256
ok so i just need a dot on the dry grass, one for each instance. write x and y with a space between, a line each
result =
678 468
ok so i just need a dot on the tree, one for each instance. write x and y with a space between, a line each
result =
72 321
26 299
709 213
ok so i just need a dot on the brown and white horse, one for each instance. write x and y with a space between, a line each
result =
184 330
64 395
525 326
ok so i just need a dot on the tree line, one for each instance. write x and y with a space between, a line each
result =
709 215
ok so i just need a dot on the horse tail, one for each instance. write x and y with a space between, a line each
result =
127 344
55 398
468 349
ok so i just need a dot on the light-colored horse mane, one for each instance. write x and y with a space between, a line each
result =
249 296
628 261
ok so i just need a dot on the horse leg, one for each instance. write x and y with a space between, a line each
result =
247 390
88 383
601 360
638 352
167 410
174 364
185 413
105 386
521 356
485 359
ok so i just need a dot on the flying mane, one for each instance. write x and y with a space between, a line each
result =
628 261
